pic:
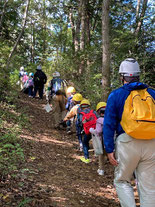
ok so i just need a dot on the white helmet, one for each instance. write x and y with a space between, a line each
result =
56 74
39 67
22 68
129 67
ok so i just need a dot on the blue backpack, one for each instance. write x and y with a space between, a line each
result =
57 84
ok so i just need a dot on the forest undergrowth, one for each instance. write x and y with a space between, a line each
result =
41 167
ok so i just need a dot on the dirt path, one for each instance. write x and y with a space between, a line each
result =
54 176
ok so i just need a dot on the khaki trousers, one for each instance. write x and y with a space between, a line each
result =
136 156
101 162
58 103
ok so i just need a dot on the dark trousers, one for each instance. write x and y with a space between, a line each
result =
30 90
79 133
40 89
86 140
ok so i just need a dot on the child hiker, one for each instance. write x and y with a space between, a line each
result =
86 119
70 103
98 133
30 84
77 98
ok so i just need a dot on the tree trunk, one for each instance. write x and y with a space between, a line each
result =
71 20
44 30
77 30
137 9
87 23
83 14
32 41
2 16
106 48
77 33
20 35
141 18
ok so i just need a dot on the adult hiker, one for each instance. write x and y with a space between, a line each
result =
39 80
54 85
59 102
130 114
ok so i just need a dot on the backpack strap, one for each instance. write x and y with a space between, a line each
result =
83 113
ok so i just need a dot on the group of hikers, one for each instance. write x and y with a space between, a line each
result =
124 128
32 83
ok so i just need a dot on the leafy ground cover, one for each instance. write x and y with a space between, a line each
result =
47 171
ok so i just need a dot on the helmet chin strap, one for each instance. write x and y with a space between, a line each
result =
126 79
122 79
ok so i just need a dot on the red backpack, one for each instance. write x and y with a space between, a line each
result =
88 121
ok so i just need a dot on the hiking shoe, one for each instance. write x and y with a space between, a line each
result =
69 132
100 172
81 149
83 159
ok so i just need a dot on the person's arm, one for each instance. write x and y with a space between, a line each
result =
45 78
99 126
71 114
112 158
68 103
109 127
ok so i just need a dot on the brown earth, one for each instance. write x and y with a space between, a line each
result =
53 175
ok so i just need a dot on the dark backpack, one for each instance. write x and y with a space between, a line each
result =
88 121
39 78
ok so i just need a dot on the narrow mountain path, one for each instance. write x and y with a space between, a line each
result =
53 175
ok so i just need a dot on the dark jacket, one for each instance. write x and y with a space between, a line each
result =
39 78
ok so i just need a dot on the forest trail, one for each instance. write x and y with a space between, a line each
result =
53 175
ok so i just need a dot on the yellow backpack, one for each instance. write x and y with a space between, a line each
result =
138 118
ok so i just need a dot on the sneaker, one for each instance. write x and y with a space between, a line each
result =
83 159
69 132
100 172
81 149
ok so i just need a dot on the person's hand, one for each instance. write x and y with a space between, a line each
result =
91 130
112 159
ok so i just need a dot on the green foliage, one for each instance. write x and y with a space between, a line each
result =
24 202
11 151
48 40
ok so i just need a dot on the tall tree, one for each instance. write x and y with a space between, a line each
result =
106 49
140 17
20 34
2 16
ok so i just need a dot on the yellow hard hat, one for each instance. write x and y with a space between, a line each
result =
77 97
85 102
100 105
71 89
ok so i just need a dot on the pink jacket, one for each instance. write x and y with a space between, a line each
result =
99 126
25 78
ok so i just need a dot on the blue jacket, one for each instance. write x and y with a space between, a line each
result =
69 103
114 110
